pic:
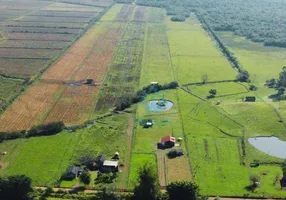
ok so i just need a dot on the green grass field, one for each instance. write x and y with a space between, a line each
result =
44 159
194 54
156 65
9 88
214 134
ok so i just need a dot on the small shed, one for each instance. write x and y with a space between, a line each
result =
250 99
110 166
283 181
148 123
154 83
73 172
89 81
167 142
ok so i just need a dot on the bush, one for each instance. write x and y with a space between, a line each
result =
252 88
178 18
46 129
243 76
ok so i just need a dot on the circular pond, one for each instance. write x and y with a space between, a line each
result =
160 105
270 145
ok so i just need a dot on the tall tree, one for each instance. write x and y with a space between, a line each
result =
183 190
15 187
148 187
85 177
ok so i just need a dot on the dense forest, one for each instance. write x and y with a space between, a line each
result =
258 20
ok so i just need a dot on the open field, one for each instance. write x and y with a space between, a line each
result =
194 54
156 65
125 50
56 153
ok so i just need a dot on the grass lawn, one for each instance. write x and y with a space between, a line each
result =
194 54
137 161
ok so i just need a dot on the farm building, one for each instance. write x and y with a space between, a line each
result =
154 83
110 166
148 123
283 181
250 99
73 172
166 142
89 81
99 161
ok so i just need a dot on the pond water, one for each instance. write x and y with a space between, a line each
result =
160 105
270 145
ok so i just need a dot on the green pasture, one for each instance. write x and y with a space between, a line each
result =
194 54
261 62
202 118
9 88
44 159
137 161
216 167
223 89
156 65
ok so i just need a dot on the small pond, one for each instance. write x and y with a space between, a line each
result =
270 145
160 105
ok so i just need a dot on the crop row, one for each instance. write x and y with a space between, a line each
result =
53 19
123 78
64 14
41 30
89 57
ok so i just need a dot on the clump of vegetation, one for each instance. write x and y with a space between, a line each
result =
255 182
85 177
15 187
40 130
243 76
212 93
178 18
252 88
148 187
182 190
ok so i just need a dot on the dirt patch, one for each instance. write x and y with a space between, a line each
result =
178 169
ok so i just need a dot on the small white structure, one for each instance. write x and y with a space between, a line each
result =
180 139
110 166
217 102
154 83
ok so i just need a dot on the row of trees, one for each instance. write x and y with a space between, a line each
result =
258 20
40 130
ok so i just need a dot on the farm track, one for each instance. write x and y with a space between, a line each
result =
130 131
161 167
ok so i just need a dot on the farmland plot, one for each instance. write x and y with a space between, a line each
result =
194 54
39 37
123 78
42 30
83 56
156 64
46 25
21 67
28 53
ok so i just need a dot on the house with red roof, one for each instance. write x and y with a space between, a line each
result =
166 142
